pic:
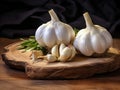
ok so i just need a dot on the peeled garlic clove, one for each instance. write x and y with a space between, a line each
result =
65 54
51 58
62 46
73 51
55 51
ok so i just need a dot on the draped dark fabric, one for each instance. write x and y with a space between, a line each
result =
21 18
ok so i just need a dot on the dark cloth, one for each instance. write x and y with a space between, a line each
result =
21 18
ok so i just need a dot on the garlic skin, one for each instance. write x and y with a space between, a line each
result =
55 51
35 54
92 39
54 32
63 53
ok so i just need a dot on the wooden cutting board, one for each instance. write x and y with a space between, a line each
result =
79 67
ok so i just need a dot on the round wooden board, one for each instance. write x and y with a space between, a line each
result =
79 67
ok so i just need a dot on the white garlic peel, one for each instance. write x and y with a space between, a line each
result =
92 39
35 54
54 32
65 53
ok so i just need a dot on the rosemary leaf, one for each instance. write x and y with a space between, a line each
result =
31 44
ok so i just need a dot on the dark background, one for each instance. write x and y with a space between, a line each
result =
21 18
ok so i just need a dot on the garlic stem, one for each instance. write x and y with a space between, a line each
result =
88 20
53 15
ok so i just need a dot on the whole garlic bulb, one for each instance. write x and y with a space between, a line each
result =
54 32
92 39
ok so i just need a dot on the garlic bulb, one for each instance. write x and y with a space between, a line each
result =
92 39
54 32
63 53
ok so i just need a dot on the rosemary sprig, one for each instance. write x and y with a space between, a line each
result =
31 44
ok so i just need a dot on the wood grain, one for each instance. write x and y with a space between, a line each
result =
17 80
79 67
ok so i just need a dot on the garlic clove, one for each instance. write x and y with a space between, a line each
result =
65 54
107 36
85 44
61 33
39 34
55 51
72 33
76 43
61 47
51 58
48 57
73 51
98 43
49 36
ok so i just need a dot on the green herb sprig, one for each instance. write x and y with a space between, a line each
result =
76 30
31 44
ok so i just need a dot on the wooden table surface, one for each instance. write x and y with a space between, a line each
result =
17 80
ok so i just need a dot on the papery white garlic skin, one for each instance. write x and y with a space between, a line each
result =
54 32
92 39
35 54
